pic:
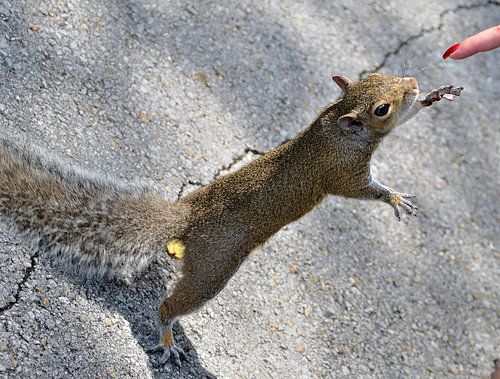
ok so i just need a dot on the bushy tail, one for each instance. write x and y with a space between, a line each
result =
96 225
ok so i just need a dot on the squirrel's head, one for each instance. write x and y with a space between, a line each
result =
377 103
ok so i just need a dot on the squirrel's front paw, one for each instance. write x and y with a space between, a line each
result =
171 351
444 92
398 200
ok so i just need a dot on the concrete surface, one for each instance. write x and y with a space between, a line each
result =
177 93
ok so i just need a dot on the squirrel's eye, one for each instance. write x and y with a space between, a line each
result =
382 110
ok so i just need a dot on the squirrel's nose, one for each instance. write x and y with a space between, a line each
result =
412 82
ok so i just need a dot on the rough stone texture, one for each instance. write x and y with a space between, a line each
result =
178 93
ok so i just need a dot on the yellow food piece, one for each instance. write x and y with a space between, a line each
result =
175 248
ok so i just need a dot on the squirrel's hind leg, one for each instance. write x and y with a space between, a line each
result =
200 282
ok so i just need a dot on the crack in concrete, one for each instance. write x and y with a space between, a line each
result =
217 174
20 285
242 156
234 161
423 32
239 158
184 185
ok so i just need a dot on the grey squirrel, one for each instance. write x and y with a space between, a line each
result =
108 229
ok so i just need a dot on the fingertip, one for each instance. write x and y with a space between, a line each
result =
451 50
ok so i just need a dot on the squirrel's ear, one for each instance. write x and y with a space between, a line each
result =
349 122
342 81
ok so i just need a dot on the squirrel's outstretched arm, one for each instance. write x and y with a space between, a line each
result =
397 200
444 92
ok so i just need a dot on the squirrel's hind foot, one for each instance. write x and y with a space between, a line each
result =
172 353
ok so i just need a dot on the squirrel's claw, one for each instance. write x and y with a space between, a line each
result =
410 208
173 353
400 200
395 199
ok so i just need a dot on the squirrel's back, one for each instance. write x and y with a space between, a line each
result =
88 222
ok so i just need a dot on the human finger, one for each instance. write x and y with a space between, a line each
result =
483 41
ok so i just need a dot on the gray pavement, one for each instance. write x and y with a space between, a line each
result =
176 94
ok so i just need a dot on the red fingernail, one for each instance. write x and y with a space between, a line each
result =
450 50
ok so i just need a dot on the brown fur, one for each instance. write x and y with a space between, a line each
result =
89 221
240 211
